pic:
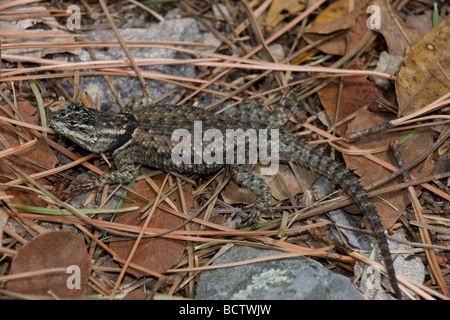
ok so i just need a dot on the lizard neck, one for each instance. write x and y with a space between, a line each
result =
125 134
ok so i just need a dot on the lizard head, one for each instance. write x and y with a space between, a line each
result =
88 127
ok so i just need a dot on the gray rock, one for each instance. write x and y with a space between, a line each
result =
281 279
180 29
387 64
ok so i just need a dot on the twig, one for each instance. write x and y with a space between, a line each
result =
138 240
63 204
151 11
420 289
125 48
108 81
269 40
431 255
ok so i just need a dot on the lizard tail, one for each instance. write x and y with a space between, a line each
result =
292 148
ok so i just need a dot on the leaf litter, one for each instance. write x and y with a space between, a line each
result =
59 249
157 254
165 256
425 75
390 207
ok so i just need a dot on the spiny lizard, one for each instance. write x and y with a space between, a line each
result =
142 133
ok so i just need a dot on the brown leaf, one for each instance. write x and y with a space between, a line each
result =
158 254
138 294
52 250
3 220
442 260
335 18
282 185
27 110
275 13
390 206
40 153
233 194
391 29
422 79
285 183
356 93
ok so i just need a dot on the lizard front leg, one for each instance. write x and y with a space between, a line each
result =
139 105
242 175
125 172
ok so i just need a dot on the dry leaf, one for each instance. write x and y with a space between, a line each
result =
158 254
233 194
396 41
305 55
356 93
138 294
390 206
335 18
21 27
40 153
282 185
442 260
52 250
285 183
422 80
3 220
275 14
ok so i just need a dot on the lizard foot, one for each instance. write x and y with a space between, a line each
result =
96 183
252 219
85 185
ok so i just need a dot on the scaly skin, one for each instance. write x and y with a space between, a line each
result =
142 133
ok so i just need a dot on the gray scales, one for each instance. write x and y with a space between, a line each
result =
142 133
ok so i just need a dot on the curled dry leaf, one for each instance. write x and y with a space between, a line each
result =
390 206
426 71
157 254
59 249
233 194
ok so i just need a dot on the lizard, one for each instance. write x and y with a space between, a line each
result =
142 133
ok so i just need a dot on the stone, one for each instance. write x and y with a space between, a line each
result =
281 279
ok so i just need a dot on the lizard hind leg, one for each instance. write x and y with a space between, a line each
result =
252 111
242 175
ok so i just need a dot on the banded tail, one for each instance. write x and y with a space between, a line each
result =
292 148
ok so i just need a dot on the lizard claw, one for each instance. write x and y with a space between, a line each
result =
252 219
84 186
89 184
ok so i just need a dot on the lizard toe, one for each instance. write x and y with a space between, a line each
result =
252 219
88 185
